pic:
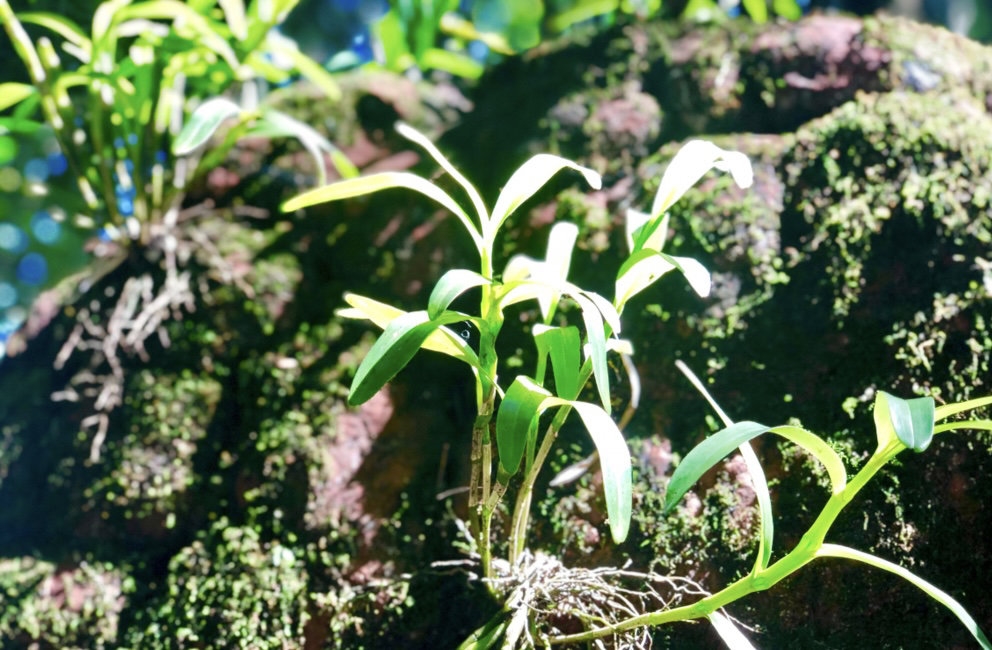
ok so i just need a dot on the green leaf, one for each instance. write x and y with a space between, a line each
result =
757 10
419 138
352 187
710 451
614 461
558 261
694 159
234 14
910 421
443 340
729 633
307 67
564 346
517 419
451 285
62 26
393 350
593 320
528 179
947 410
12 93
453 63
203 123
942 597
273 123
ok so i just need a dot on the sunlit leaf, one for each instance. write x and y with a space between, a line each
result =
393 350
646 266
694 159
710 451
203 123
273 123
64 27
942 597
234 14
729 633
419 138
596 336
614 461
443 340
910 421
307 67
757 10
451 285
528 179
517 419
12 93
363 185
947 410
454 63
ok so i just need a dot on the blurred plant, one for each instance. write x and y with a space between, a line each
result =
126 89
505 440
118 102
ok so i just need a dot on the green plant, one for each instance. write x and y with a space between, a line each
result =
505 437
117 103
899 425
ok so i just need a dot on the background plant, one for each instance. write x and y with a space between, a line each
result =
505 438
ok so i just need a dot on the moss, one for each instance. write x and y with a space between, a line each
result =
70 606
228 589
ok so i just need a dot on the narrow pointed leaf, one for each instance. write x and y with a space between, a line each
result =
564 346
451 285
443 340
393 350
307 67
517 419
234 14
528 179
942 597
419 138
710 451
597 347
203 123
614 460
12 93
729 633
947 410
62 26
911 421
352 187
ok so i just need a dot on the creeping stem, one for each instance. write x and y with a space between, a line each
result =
759 579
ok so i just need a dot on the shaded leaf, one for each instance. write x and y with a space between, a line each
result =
910 421
564 346
614 461
517 419
597 347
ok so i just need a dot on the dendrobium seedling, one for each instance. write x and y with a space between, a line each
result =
574 358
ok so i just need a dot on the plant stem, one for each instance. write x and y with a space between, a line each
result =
759 580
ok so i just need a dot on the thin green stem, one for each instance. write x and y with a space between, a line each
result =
760 579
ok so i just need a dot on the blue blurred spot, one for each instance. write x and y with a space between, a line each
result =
118 142
8 297
57 164
45 229
36 170
129 166
125 205
32 269
478 51
362 47
161 156
132 138
12 238
347 5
